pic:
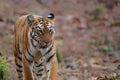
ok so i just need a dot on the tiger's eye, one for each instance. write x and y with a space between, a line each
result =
40 30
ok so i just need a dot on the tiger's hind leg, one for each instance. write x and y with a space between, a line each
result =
18 62
38 69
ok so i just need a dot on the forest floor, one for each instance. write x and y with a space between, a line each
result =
87 34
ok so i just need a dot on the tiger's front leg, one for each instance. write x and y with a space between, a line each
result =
39 69
27 68
52 67
54 70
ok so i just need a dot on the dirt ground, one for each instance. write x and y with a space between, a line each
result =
87 34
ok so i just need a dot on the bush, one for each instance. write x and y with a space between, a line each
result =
116 76
4 68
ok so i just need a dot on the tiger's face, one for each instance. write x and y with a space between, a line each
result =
42 32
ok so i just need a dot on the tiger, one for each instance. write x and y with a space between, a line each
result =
34 47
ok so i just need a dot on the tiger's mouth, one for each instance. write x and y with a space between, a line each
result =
43 45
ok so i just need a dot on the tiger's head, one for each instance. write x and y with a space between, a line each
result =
42 30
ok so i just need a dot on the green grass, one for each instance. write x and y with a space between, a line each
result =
4 68
59 56
116 76
60 42
107 48
98 11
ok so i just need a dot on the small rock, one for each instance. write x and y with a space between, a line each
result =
2 28
118 67
103 78
2 25
72 66
80 23
10 59
69 59
116 61
61 70
69 18
73 78
83 24
42 1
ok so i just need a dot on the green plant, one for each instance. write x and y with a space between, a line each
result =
59 42
116 76
4 68
97 11
106 48
95 42
59 56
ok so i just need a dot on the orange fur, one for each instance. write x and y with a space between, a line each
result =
21 37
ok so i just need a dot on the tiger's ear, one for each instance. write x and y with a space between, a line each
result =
30 19
51 16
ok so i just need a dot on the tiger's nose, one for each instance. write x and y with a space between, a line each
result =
45 44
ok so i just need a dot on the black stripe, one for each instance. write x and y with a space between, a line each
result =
20 58
41 64
18 70
30 53
20 76
48 60
49 50
20 52
40 70
39 74
47 70
28 59
33 71
31 34
33 43
36 62
18 65
43 47
18 49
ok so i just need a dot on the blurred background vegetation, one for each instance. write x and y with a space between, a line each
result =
87 36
